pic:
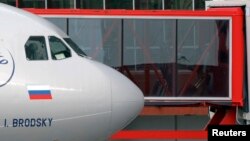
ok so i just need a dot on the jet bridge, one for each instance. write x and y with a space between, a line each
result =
177 58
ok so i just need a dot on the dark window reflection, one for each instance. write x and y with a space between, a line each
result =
89 4
148 4
119 4
9 2
32 3
110 4
60 3
200 4
179 4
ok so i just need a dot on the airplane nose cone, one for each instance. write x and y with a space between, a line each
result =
127 101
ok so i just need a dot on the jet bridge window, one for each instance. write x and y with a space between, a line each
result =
58 49
35 48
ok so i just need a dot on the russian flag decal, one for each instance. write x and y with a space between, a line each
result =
39 92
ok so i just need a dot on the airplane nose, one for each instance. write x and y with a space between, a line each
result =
127 101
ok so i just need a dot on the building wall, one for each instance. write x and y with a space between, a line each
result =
109 4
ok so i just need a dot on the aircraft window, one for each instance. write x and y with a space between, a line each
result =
35 48
75 47
58 49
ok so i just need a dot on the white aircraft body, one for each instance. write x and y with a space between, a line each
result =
50 90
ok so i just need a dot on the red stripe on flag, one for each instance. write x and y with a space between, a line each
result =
40 97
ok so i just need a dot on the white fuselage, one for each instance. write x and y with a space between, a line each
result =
86 101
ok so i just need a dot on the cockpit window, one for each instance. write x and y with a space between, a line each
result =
75 47
35 48
58 49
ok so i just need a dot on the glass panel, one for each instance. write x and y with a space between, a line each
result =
148 4
60 3
75 47
178 4
89 4
35 48
200 4
99 38
9 2
203 66
32 3
59 22
119 4
58 49
193 62
149 55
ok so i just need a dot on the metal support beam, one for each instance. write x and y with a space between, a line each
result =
104 4
46 4
17 3
133 4
74 4
223 116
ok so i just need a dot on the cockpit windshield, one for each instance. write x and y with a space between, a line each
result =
75 47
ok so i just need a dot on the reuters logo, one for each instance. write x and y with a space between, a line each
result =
7 66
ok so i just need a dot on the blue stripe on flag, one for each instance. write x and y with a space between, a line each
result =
40 92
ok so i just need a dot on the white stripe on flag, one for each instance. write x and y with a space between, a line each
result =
38 87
